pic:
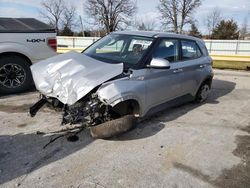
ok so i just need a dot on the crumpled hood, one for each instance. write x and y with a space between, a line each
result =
70 76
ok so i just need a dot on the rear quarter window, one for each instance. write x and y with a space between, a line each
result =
190 50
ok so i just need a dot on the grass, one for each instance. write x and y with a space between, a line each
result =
235 65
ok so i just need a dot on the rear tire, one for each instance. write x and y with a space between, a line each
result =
15 74
203 92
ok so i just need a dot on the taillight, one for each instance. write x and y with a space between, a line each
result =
52 42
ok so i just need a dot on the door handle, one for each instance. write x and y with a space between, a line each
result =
202 66
177 70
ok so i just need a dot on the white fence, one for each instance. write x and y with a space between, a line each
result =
225 47
75 42
228 47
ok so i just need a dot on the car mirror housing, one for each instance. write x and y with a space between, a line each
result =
159 63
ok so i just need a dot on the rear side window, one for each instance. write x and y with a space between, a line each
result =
190 50
167 49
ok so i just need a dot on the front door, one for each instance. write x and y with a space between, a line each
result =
164 85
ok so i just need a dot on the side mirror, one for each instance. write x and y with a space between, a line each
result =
159 63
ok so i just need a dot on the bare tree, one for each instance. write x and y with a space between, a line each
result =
177 13
244 29
111 14
212 20
145 25
69 16
52 12
59 14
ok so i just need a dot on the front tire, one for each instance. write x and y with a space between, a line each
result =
15 74
114 127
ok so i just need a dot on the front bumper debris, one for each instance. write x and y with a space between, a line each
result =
37 106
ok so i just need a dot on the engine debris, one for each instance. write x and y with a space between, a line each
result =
89 111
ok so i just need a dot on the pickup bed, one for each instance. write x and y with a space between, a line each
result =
23 41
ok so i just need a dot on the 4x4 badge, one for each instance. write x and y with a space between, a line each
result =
36 40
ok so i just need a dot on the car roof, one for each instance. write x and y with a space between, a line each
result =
157 34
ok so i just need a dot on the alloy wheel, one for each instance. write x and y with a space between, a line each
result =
12 75
204 92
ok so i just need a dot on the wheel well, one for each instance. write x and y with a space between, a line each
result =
208 81
127 107
16 54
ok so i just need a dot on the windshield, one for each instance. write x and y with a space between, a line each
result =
117 48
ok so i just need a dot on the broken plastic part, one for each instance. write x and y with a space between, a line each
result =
37 106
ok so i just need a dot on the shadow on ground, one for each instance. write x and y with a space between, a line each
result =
3 96
21 154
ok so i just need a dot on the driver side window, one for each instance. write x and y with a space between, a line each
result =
167 49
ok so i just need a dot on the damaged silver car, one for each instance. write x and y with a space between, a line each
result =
124 74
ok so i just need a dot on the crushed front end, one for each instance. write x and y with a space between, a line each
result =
89 111
70 82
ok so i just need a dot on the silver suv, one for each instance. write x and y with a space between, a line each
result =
124 73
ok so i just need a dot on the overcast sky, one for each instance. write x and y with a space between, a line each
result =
235 9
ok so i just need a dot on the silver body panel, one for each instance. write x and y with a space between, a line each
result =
152 87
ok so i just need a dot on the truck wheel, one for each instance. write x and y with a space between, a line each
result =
202 93
15 74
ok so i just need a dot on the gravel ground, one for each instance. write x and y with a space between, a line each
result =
192 145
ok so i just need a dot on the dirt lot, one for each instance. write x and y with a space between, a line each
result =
193 145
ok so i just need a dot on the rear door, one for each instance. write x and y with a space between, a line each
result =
193 63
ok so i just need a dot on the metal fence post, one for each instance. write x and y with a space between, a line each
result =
210 48
237 47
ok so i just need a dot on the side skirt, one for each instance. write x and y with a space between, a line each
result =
173 103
